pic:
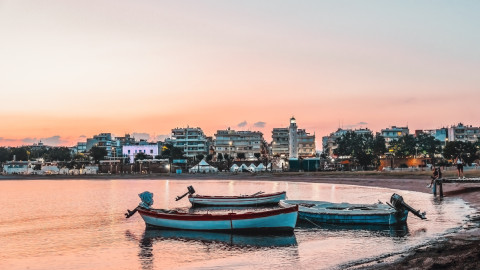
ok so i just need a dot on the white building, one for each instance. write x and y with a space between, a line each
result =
191 140
463 133
233 142
17 167
394 133
306 144
280 142
131 151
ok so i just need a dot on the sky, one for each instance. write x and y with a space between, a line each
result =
73 69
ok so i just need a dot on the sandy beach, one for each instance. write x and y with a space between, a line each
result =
456 251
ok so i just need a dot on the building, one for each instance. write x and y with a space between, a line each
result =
463 133
113 145
149 149
306 144
191 140
17 167
440 134
119 142
280 142
292 142
232 143
102 140
81 147
394 133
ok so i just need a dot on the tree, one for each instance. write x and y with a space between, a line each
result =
4 154
58 153
241 155
359 147
467 150
378 148
404 146
141 156
20 153
97 153
38 152
199 156
219 157
209 157
257 155
427 145
171 152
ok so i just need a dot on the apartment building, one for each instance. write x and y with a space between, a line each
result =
233 142
280 142
306 144
191 140
463 133
394 133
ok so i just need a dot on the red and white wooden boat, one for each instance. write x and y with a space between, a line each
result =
280 219
259 198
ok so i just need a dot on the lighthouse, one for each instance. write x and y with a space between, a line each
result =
293 139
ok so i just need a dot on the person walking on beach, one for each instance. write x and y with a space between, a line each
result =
437 174
459 162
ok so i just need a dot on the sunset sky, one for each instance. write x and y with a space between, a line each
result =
72 69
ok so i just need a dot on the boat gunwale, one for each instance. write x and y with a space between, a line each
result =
196 196
217 217
354 212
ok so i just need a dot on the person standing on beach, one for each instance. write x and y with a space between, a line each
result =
459 162
437 174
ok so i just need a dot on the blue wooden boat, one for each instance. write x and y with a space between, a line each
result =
346 213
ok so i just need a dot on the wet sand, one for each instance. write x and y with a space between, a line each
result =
456 251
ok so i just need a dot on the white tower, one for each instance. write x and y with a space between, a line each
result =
292 139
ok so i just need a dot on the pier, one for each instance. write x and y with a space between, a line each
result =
439 183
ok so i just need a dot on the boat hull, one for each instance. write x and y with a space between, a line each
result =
379 219
233 239
341 214
263 199
282 219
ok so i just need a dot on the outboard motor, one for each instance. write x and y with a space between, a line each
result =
191 191
147 201
399 204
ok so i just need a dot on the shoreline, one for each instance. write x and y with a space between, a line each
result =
459 250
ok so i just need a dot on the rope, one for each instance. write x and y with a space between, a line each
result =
312 222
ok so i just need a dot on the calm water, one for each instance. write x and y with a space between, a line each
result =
75 224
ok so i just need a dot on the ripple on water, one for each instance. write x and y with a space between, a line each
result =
80 224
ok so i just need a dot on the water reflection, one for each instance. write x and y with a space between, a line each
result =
208 239
398 230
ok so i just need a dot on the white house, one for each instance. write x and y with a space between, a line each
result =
131 151
17 167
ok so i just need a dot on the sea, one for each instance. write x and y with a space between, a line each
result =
80 224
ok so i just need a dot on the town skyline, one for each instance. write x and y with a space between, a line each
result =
75 69
161 138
